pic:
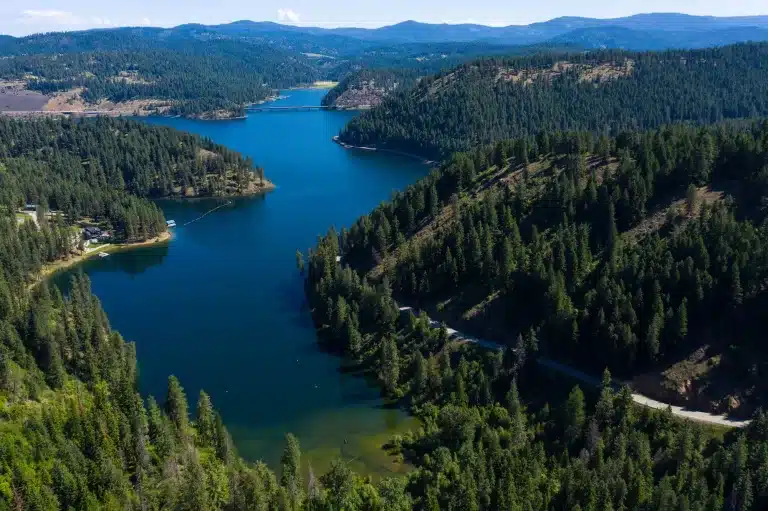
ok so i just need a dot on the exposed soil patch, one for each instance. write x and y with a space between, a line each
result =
15 98
131 77
72 102
599 73
675 212
698 381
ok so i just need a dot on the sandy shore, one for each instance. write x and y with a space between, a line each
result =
63 264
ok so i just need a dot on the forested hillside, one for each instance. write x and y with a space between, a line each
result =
626 253
194 79
214 70
368 87
77 166
604 92
605 252
76 434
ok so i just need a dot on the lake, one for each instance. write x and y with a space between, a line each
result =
222 306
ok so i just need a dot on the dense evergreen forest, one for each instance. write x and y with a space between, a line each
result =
201 71
620 253
197 78
607 252
89 167
76 435
604 92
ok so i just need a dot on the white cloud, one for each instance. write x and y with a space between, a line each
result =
288 15
145 21
49 16
52 17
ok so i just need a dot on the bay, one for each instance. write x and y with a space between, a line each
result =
222 306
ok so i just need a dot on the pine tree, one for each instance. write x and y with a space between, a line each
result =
176 407
290 477
574 415
462 399
390 365
5 370
452 268
691 200
194 496
517 416
205 422
508 260
652 337
55 374
340 313
500 155
604 406
159 429
354 340
420 375
221 440
682 320
612 237
736 291
434 201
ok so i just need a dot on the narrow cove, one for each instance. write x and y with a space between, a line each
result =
222 307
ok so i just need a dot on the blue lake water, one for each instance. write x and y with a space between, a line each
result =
222 306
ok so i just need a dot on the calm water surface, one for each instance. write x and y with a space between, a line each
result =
222 306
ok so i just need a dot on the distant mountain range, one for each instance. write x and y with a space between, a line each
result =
639 32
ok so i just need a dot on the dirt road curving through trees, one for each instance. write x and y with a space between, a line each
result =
679 411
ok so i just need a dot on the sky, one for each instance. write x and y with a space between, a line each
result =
33 16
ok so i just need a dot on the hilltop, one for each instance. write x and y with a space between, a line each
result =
636 253
492 99
214 71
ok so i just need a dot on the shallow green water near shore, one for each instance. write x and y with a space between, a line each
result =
222 307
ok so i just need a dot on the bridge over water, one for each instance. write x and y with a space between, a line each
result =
291 108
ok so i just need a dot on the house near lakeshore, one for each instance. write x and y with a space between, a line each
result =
92 233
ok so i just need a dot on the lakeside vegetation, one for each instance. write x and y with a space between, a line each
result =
611 248
605 251
605 92
74 432
83 167
193 78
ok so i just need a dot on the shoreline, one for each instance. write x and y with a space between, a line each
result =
214 115
51 269
262 190
318 85
382 150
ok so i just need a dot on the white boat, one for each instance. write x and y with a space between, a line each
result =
103 254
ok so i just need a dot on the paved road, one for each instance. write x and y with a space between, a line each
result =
703 417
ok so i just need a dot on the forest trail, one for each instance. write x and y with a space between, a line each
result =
640 399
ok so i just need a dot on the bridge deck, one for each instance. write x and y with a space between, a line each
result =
284 108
